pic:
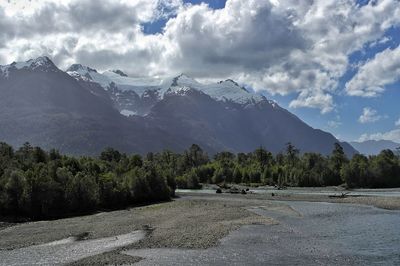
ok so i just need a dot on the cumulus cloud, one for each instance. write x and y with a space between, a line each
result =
369 115
372 77
284 47
313 99
393 135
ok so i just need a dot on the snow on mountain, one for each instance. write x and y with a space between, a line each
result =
105 79
42 63
139 85
227 90
118 83
79 114
126 112
178 90
84 72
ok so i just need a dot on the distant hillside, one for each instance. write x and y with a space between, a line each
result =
373 147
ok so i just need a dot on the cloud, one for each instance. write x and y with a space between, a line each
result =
393 135
397 123
375 74
283 47
384 40
334 124
312 99
369 115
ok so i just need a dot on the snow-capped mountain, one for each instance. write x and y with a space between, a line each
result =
51 109
136 96
82 111
227 90
42 63
131 96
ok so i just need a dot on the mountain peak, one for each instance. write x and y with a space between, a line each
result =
183 75
230 81
234 83
184 80
41 60
42 63
80 69
119 72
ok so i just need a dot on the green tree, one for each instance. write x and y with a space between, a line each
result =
219 176
291 154
336 161
82 193
385 169
237 175
110 155
16 189
356 173
263 157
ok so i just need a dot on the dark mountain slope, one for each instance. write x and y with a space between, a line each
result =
218 125
51 109
48 107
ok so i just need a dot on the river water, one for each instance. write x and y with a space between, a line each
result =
312 233
65 250
307 233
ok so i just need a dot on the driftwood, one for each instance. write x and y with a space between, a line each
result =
279 187
341 196
232 190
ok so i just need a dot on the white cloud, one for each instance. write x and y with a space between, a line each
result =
284 47
397 123
314 99
384 40
334 124
369 115
393 135
372 77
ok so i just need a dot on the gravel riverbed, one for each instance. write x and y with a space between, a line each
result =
183 223
221 229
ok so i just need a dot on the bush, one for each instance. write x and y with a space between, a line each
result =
188 181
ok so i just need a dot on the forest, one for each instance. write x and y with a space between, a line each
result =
39 184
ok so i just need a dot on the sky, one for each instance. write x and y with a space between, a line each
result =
333 63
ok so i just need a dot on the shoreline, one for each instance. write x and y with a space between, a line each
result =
182 223
369 197
191 221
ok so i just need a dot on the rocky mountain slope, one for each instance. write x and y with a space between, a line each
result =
82 111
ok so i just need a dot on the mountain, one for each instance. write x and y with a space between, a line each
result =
45 106
82 111
130 96
374 147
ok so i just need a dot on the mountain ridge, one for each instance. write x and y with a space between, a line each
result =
374 147
220 116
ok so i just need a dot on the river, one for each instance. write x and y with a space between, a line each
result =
313 233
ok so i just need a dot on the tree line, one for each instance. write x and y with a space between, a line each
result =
291 168
39 184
